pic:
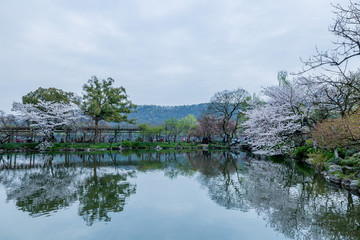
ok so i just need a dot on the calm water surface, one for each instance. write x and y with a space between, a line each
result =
193 195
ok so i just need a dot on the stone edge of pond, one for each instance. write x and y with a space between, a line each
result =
331 176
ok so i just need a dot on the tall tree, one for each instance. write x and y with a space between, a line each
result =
102 101
229 105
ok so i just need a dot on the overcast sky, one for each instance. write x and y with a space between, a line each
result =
163 52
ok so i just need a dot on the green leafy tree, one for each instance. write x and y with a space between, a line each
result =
102 101
50 95
151 133
187 123
172 128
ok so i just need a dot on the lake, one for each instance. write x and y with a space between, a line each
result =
169 195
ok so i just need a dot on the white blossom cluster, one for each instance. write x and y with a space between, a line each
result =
271 127
45 117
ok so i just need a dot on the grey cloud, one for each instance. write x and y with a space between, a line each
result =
162 52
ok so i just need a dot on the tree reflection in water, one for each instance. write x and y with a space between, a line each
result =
296 204
100 195
41 191
222 176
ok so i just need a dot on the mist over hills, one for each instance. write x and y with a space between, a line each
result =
156 115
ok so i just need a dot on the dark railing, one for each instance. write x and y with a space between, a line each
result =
15 134
89 129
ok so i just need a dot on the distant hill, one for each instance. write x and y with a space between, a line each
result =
156 115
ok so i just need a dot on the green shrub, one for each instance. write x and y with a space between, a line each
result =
13 146
351 161
341 152
328 154
126 143
320 158
309 142
335 160
303 152
338 174
350 152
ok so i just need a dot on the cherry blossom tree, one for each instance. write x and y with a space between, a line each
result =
206 127
46 117
275 127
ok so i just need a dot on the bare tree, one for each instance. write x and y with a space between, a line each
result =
7 127
335 94
346 28
333 87
227 106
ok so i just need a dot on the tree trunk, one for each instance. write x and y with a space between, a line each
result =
96 130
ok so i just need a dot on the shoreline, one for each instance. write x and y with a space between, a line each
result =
102 147
337 175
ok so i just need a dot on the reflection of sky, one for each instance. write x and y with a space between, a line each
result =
264 201
162 208
181 209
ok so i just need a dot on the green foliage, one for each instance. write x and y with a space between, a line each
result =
303 152
172 128
187 123
309 142
151 132
335 160
338 174
102 101
49 95
328 154
350 152
218 145
341 152
126 143
351 162
19 146
320 158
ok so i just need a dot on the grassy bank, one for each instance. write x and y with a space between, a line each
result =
9 147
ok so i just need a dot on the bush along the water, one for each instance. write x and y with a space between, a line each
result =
343 170
303 152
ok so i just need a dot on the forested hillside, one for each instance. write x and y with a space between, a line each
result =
156 115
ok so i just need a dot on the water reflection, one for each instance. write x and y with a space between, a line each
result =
294 203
